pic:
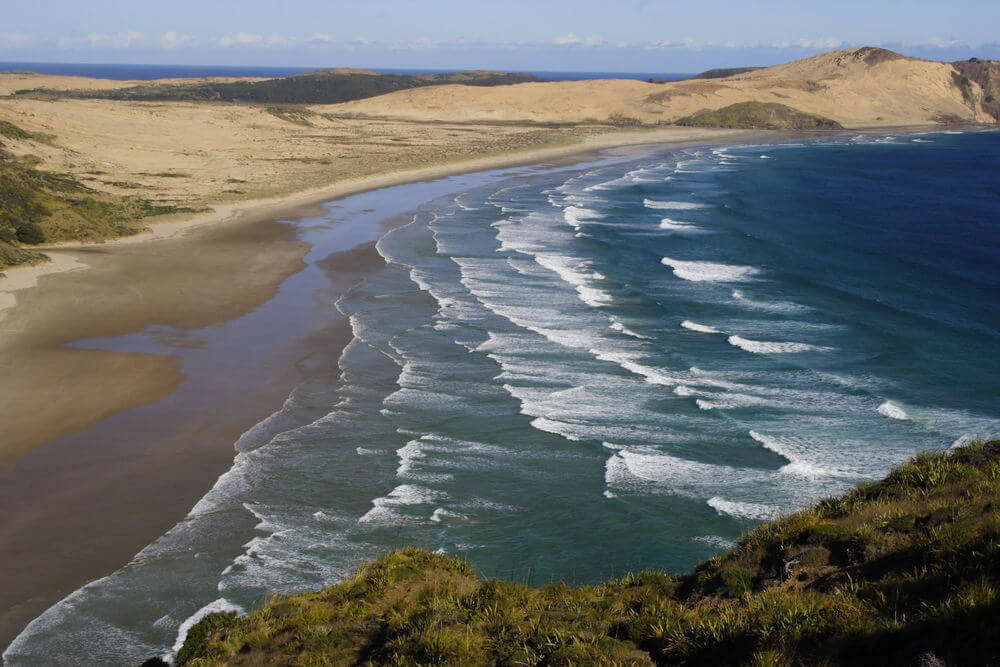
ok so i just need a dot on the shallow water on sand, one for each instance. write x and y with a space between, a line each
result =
566 373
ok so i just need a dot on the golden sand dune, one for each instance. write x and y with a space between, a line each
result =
857 88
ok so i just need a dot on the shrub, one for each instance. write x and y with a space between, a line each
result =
30 233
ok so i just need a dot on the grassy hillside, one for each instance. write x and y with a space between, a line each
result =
38 206
759 115
903 571
319 87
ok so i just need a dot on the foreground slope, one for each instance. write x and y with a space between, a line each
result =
903 571
862 87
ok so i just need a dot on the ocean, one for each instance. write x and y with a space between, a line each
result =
564 372
120 72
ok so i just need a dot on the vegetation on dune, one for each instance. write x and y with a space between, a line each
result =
759 115
986 73
722 73
320 87
37 206
903 571
963 83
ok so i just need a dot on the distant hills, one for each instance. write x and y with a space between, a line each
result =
863 87
326 86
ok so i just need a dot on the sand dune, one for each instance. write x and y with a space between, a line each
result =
857 88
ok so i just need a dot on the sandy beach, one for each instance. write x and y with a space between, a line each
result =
132 437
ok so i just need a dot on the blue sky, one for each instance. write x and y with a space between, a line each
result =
582 35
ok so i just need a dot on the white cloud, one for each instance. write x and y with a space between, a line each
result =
572 40
175 40
123 40
242 39
826 43
686 43
321 38
13 40
940 43
119 40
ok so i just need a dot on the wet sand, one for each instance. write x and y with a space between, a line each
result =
106 485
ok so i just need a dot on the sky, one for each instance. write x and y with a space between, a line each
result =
536 35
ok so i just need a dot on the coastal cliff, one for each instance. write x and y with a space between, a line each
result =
902 571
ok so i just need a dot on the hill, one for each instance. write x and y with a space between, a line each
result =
327 86
865 87
903 571
759 115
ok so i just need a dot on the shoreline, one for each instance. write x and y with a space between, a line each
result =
18 278
142 482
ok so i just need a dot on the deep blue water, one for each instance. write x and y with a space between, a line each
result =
119 72
569 372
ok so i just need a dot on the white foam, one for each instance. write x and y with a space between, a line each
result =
576 215
677 226
700 328
710 271
401 496
776 306
774 347
753 511
220 605
616 325
715 541
440 513
765 157
627 360
672 205
571 272
643 467
556 427
790 449
892 411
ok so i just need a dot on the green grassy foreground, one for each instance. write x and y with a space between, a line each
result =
902 571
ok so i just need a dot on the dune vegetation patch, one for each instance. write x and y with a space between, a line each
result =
902 571
38 207
759 115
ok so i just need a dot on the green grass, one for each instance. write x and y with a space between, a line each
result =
759 115
903 571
